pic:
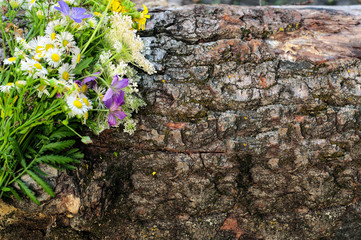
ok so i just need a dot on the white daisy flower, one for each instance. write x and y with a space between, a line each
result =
7 88
19 53
53 57
37 45
86 101
23 44
65 72
20 83
76 105
33 68
42 90
9 61
30 3
76 57
50 29
65 40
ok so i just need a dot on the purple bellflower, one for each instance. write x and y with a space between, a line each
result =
77 14
115 110
115 92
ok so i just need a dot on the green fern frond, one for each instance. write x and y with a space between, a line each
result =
27 191
75 153
61 133
57 146
54 159
41 182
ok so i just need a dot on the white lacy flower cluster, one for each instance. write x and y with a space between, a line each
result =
122 37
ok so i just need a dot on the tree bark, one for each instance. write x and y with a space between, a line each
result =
252 131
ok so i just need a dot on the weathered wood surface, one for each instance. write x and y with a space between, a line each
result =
252 131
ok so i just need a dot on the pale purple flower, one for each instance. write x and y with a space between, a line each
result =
77 14
115 91
115 110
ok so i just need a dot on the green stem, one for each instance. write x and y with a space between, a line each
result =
96 29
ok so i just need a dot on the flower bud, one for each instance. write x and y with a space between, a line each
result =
14 4
40 14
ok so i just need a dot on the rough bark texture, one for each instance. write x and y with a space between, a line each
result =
252 131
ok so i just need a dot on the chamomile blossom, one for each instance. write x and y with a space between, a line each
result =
76 105
23 44
10 61
65 40
33 68
50 29
30 3
65 72
37 45
19 53
7 88
20 83
53 57
42 90
76 57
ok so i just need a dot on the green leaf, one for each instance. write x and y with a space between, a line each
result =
58 146
61 134
82 65
18 152
41 182
27 191
10 189
55 159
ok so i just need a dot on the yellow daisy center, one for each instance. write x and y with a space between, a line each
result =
85 100
32 1
38 66
97 14
39 49
78 58
84 88
41 88
65 43
65 76
12 59
49 46
53 36
55 57
78 104
9 84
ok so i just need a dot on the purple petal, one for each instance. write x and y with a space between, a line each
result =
108 95
112 120
79 83
64 8
119 98
115 80
121 84
75 11
108 103
91 78
119 114
77 14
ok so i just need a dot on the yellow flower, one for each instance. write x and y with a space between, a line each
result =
143 18
116 6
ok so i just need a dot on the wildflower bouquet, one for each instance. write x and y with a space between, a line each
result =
66 64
